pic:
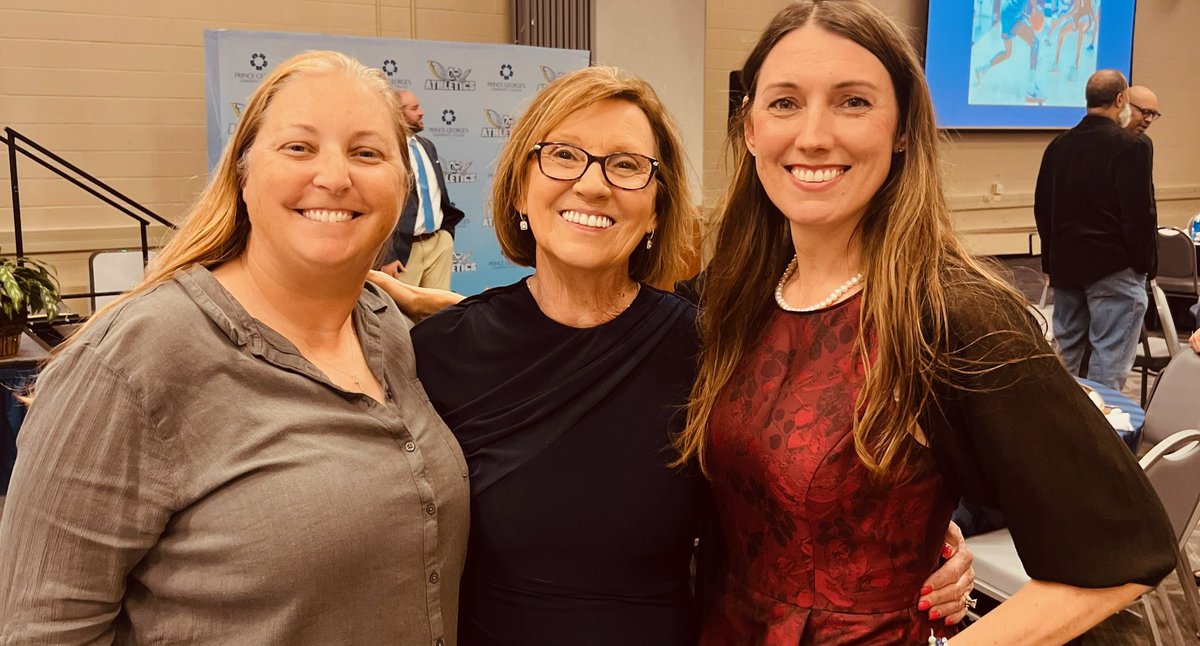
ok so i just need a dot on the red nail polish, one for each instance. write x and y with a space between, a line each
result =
926 590
924 605
934 615
947 552
950 622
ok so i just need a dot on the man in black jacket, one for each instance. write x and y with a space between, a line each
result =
421 249
1094 207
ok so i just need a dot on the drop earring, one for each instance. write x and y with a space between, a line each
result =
524 225
649 240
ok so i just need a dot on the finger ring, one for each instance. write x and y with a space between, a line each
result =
968 602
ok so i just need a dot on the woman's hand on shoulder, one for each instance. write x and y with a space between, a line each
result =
1195 340
945 591
416 302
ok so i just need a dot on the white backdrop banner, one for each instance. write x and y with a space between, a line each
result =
470 93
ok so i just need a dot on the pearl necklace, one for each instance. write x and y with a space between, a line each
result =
833 297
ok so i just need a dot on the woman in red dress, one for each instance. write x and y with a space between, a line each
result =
860 372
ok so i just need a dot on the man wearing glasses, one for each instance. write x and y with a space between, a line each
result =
1094 207
1144 109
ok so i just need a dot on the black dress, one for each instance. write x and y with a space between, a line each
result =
580 533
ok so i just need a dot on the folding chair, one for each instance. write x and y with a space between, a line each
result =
1171 468
1177 264
1154 353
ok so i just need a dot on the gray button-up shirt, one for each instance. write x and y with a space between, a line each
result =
186 476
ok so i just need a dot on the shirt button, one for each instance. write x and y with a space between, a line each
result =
433 578
410 446
430 508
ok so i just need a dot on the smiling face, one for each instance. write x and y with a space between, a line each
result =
588 224
822 128
323 177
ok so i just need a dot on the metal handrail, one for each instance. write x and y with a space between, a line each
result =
19 143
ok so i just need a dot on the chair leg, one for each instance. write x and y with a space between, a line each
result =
1187 581
1169 610
1145 381
1151 620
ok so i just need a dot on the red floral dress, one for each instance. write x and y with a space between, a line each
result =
817 553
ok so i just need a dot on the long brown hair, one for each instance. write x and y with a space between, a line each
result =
217 226
908 250
673 212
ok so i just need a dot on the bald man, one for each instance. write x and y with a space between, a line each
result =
1094 211
1144 109
421 250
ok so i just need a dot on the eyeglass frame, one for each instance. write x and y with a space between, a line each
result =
591 159
1154 115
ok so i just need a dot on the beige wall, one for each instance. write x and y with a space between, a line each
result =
117 87
662 42
1164 58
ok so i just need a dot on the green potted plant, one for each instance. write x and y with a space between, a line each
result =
27 286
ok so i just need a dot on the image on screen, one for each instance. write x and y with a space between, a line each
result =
1021 63
1018 47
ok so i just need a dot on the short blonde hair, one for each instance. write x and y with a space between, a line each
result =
673 213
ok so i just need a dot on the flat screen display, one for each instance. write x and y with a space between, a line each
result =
1021 64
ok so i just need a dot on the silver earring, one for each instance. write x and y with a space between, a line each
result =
524 223
649 240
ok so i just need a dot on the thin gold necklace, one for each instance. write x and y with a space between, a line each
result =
306 351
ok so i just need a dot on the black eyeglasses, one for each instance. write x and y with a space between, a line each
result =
1153 115
629 171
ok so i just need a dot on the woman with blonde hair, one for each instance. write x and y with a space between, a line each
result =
562 388
860 371
238 450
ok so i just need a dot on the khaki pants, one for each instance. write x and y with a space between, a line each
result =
430 262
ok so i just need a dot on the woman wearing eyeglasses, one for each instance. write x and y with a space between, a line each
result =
564 389
580 533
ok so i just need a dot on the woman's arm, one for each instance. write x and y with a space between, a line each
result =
415 302
89 497
1195 340
1042 612
1016 432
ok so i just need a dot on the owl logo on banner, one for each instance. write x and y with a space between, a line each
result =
453 79
549 74
499 125
460 172
462 262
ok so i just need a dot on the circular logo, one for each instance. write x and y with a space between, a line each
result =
389 67
258 61
448 117
506 71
